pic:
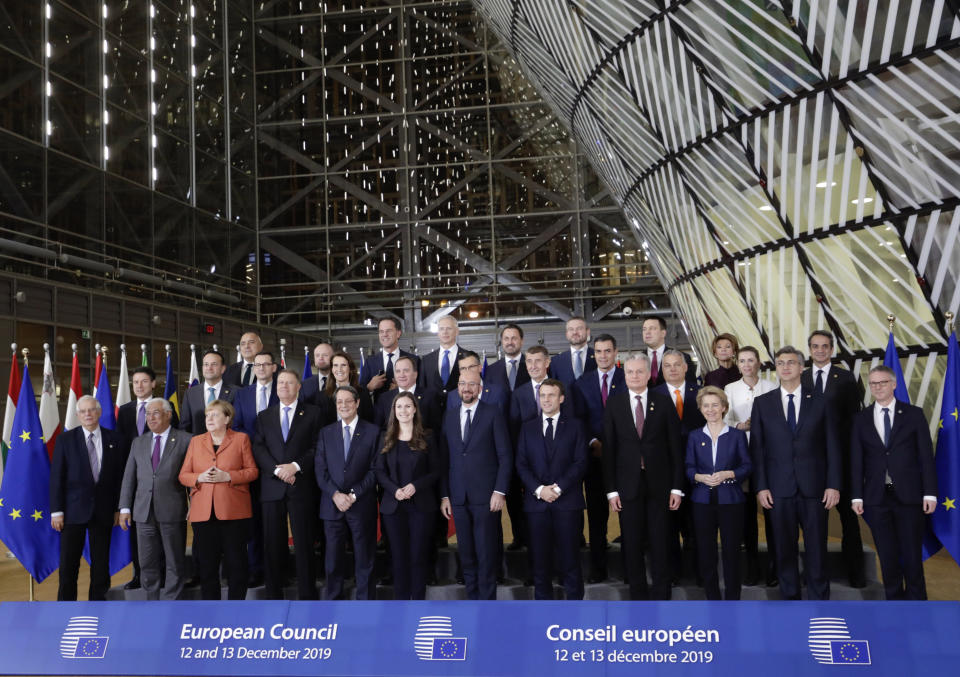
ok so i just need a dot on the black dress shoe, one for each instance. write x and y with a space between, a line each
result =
858 581
597 577
255 582
192 583
133 584
516 545
528 582
772 581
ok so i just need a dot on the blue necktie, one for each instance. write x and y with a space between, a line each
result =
388 370
886 427
346 441
548 436
791 414
819 383
512 375
466 428
578 366
212 394
285 423
445 367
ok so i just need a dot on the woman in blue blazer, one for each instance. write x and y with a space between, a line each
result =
717 463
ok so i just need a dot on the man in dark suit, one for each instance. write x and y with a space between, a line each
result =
315 385
241 373
551 462
377 375
348 503
249 401
571 364
284 447
590 396
438 369
491 393
195 400
654 336
153 497
894 483
843 395
796 471
643 471
509 371
405 374
475 447
85 479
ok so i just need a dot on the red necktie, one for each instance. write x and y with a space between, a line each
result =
604 391
653 367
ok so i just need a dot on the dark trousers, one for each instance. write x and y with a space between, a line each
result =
223 541
361 527
898 530
598 512
556 532
708 518
851 541
478 542
645 521
409 532
682 527
255 547
751 533
134 553
71 550
302 514
789 515
518 518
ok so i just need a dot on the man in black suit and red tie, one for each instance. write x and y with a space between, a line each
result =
510 370
894 483
377 374
591 393
551 461
571 364
843 394
654 336
85 480
284 447
797 473
643 469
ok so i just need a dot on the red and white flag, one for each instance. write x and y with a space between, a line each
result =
13 392
49 413
71 420
123 385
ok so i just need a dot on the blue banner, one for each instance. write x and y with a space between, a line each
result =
579 639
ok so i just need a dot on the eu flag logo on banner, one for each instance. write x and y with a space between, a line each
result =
850 652
91 647
449 649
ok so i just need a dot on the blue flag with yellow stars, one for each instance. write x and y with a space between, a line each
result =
25 494
892 360
946 518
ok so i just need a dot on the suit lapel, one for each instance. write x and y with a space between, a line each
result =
807 401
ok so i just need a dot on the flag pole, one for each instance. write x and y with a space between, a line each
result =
891 320
949 317
26 358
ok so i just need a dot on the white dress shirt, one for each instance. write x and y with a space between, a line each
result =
715 442
293 410
543 427
786 401
741 396
452 350
216 389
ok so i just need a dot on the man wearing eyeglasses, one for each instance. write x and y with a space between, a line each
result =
894 483
797 473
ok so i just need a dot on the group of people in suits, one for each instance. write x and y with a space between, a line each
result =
418 441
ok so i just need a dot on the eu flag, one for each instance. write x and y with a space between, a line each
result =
107 417
25 494
946 518
892 360
449 649
850 652
307 371
91 647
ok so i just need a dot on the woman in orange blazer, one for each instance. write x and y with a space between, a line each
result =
219 468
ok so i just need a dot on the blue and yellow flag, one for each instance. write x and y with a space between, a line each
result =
892 360
946 518
108 418
170 389
25 493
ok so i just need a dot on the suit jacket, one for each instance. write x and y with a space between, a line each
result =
497 373
691 376
805 462
193 416
127 422
428 377
732 454
143 488
482 464
353 474
373 365
234 374
229 500
561 367
523 407
659 447
588 400
494 394
908 460
423 467
844 397
692 418
427 400
564 463
269 451
72 489
245 406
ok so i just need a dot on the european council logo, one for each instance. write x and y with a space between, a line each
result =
434 640
81 639
830 643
